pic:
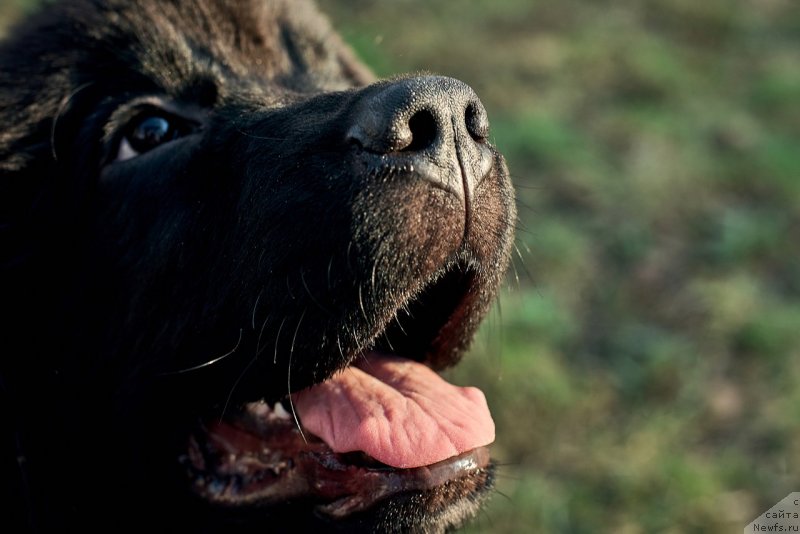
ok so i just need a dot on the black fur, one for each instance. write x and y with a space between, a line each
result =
261 234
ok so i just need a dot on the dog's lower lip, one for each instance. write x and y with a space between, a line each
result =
258 458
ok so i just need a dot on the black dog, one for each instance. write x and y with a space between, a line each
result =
208 207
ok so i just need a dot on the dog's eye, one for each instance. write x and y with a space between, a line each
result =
147 133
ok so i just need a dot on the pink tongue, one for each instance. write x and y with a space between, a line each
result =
398 411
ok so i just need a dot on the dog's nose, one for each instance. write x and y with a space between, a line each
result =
433 125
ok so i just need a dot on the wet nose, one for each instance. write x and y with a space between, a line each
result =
433 124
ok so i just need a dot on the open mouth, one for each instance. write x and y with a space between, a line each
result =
385 425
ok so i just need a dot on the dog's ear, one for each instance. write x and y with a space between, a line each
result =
309 37
352 67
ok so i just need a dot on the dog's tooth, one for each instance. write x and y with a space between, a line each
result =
279 411
259 408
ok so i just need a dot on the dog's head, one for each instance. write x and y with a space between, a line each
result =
207 208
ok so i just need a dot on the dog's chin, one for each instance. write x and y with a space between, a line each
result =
250 461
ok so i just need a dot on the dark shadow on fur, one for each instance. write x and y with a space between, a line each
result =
259 232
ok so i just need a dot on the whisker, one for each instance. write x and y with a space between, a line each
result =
330 266
310 295
289 289
233 388
294 337
289 378
348 258
341 352
523 264
485 515
502 465
516 275
388 342
361 304
277 338
508 498
358 343
260 334
399 324
206 364
261 257
372 277
255 307
263 137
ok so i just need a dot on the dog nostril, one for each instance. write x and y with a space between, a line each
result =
423 131
429 115
477 121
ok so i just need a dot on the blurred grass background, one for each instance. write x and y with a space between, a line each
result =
643 363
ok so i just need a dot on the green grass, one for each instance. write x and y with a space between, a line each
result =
643 365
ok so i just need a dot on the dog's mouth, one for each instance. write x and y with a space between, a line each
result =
385 425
